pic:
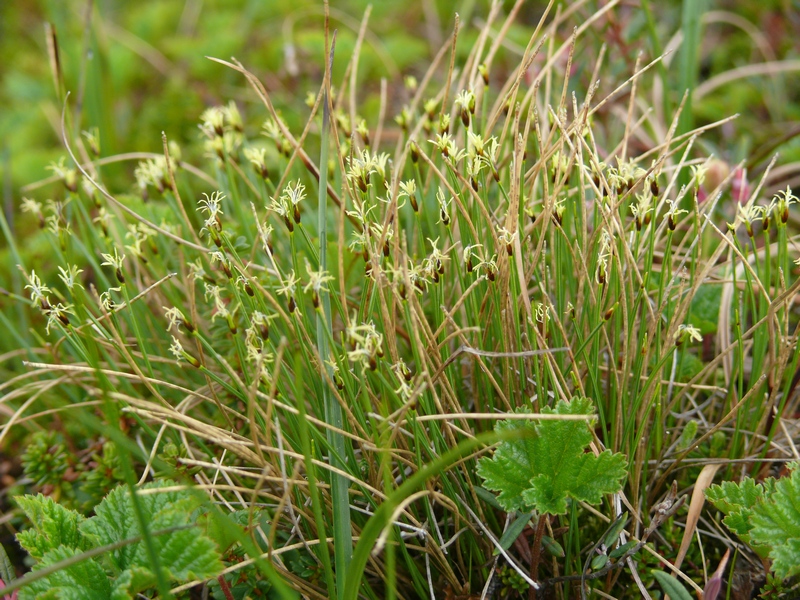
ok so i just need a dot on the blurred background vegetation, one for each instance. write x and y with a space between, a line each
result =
140 67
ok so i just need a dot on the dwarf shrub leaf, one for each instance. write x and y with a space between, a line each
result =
53 526
671 586
547 463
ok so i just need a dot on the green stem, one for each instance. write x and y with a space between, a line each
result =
690 27
342 536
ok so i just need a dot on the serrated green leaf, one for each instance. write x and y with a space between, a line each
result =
84 580
549 464
737 502
785 558
53 526
187 554
132 581
731 497
510 469
739 523
587 479
513 531
183 553
776 523
115 521
671 586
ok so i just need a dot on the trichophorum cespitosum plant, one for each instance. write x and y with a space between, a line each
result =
493 244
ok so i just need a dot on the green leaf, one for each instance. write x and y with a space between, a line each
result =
7 573
548 463
731 498
704 310
183 553
671 586
132 581
53 526
776 523
552 547
84 580
509 470
222 535
617 552
513 531
737 502
610 538
487 497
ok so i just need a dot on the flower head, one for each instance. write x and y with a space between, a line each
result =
465 100
444 207
446 144
288 288
366 342
687 332
785 199
316 283
67 175
673 213
153 172
361 166
35 208
70 276
258 158
507 238
114 260
176 317
106 301
212 122
180 354
57 315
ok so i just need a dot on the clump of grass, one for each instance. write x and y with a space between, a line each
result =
335 368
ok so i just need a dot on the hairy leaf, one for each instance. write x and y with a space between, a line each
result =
731 498
53 526
132 581
185 553
548 463
776 523
84 580
737 502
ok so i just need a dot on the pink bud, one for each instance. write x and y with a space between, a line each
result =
714 585
13 596
740 187
712 588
